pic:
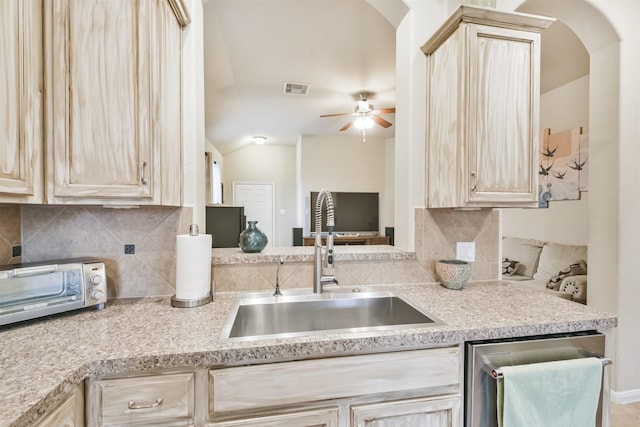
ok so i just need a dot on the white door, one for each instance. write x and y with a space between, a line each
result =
257 200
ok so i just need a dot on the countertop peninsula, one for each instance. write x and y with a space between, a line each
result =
41 360
305 254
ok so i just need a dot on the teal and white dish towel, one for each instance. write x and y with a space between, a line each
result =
561 393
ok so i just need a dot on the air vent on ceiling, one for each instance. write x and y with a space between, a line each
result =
295 88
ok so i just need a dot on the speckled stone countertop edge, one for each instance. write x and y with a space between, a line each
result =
234 256
223 354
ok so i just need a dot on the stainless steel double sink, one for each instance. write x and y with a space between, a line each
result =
300 312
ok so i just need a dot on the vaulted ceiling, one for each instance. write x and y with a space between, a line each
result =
338 47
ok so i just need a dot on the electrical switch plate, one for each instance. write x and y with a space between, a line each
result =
466 251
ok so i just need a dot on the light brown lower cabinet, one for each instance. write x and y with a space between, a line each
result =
423 412
418 388
69 413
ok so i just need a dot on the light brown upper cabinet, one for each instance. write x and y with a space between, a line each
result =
483 72
115 106
21 103
92 112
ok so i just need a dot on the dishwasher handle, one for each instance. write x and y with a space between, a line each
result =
496 372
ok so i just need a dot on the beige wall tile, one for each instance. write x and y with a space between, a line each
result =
441 229
10 233
74 231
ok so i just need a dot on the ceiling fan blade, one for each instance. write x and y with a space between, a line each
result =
385 110
347 126
379 120
335 115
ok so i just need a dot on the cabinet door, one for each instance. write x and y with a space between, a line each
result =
101 94
426 412
503 116
21 103
445 70
70 413
313 418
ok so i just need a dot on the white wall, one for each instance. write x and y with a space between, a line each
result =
565 221
338 163
422 20
342 163
193 139
388 202
274 164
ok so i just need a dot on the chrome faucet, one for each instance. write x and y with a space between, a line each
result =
323 269
277 292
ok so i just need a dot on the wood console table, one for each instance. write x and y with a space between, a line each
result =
351 240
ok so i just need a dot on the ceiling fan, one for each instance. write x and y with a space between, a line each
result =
365 116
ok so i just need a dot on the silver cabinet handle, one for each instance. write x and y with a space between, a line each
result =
132 404
143 167
474 186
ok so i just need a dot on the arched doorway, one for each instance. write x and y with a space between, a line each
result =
609 286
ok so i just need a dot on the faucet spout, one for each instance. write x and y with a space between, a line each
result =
323 268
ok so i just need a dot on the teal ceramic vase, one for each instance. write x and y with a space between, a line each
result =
252 239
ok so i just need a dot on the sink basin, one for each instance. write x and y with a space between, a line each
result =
311 314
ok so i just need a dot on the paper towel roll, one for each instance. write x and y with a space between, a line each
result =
193 266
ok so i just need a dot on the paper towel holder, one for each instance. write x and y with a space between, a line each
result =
188 303
195 302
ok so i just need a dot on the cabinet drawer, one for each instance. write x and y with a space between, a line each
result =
147 400
243 388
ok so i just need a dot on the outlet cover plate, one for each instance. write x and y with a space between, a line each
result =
466 251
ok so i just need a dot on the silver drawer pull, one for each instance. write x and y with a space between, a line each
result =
474 186
143 168
144 405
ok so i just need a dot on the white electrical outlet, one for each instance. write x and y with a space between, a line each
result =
466 251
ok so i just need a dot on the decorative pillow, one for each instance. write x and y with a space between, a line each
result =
509 266
556 257
526 251
576 269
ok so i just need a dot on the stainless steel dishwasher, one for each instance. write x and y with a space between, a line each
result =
483 360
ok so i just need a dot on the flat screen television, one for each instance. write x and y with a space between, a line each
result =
353 212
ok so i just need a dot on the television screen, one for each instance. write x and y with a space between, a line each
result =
353 212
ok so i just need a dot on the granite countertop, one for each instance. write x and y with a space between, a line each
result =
41 360
305 254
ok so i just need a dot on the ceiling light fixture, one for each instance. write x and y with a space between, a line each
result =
259 139
363 122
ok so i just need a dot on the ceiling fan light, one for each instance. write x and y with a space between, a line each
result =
258 139
363 122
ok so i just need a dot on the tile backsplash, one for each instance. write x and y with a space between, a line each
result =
145 268
438 230
50 232
9 233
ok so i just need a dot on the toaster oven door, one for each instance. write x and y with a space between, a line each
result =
40 291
